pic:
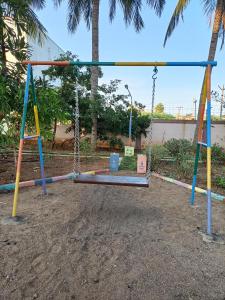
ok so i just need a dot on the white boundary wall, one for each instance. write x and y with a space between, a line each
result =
164 130
184 129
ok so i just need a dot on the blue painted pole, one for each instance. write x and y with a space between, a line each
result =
208 128
26 98
39 135
130 125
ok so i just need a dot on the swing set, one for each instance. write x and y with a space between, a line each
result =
109 179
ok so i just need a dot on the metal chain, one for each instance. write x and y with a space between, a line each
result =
76 153
149 140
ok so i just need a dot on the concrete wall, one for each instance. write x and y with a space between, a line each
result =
184 129
165 130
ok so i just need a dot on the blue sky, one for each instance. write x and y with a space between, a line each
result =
190 41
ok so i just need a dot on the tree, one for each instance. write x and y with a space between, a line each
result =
159 108
210 7
71 78
114 115
112 107
51 108
16 19
89 9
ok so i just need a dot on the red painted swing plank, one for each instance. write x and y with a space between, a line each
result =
112 180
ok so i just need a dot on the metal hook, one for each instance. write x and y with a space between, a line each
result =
155 71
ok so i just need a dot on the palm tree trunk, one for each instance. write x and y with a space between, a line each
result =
211 56
94 70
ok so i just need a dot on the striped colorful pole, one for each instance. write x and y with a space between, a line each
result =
122 63
39 135
208 127
18 169
215 196
199 140
48 180
202 109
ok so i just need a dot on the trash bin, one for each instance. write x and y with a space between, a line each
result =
114 162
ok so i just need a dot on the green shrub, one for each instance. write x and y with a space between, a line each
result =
7 141
128 163
85 147
218 153
220 181
116 142
177 147
158 152
185 166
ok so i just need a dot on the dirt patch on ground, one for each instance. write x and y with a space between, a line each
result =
54 166
103 242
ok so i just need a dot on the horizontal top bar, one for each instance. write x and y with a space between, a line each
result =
124 64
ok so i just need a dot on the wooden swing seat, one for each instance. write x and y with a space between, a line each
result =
112 180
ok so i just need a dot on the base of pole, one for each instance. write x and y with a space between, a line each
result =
195 206
18 220
213 238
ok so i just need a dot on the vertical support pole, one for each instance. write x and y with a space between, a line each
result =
130 128
42 166
199 139
22 129
202 110
194 180
208 136
39 135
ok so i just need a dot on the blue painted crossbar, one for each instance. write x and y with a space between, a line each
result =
203 144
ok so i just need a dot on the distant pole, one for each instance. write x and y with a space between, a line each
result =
131 107
195 112
222 101
180 111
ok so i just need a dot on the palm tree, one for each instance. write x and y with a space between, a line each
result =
89 10
24 21
210 7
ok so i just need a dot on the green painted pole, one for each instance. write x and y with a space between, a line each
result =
194 180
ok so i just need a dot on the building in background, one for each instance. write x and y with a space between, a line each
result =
49 50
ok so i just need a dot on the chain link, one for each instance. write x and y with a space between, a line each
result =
149 140
76 153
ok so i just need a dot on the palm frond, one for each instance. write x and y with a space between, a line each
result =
132 10
38 4
178 12
25 19
209 7
74 14
57 2
157 5
33 26
87 12
76 9
136 17
112 9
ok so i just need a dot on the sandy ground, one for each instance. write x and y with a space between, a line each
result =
109 243
54 166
